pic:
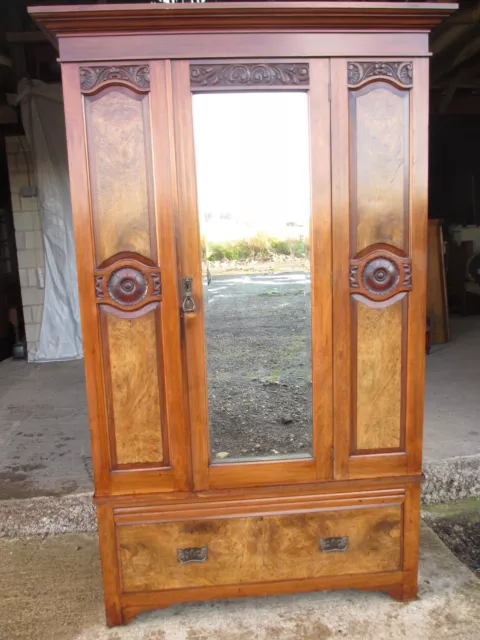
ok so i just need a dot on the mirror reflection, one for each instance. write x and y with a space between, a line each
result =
253 177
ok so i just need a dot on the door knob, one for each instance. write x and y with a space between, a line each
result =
188 303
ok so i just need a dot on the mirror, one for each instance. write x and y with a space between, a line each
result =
253 180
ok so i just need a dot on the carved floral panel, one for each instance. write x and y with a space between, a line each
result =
255 74
400 73
136 77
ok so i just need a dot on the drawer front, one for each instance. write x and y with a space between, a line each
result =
201 553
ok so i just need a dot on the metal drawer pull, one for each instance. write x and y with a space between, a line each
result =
331 545
188 304
192 554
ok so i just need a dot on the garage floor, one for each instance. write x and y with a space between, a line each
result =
44 437
50 589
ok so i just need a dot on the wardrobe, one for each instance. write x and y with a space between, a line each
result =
249 194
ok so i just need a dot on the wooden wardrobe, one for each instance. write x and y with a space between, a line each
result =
249 193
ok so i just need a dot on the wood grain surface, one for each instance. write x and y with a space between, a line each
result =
437 300
378 199
379 146
256 549
132 175
119 151
378 377
135 395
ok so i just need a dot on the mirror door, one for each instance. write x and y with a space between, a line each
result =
253 159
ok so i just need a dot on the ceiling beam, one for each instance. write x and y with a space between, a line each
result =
447 98
462 76
17 50
466 86
462 49
50 37
454 29
461 104
450 33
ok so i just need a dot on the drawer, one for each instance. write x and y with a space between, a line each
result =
241 550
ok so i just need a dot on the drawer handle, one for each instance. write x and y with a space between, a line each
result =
192 554
334 545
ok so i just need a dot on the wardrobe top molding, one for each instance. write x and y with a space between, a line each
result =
234 16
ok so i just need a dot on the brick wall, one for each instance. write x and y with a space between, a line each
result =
28 234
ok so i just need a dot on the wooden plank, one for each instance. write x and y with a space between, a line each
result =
166 206
254 45
244 474
341 249
415 371
321 268
190 265
252 16
437 302
107 538
389 582
284 504
411 542
83 231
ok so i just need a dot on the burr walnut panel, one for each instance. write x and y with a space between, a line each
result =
120 171
379 157
378 377
259 549
131 361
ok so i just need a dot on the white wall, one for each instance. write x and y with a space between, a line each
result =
28 234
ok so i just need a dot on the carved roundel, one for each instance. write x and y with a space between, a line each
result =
128 282
127 286
380 272
380 276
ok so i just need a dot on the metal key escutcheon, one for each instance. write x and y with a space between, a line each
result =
188 304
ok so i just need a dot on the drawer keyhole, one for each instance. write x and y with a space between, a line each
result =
334 545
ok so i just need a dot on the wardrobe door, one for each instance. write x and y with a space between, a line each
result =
379 208
254 235
119 137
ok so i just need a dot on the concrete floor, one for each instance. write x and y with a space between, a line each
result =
44 435
45 441
452 398
50 589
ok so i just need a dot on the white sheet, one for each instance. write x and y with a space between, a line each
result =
44 123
